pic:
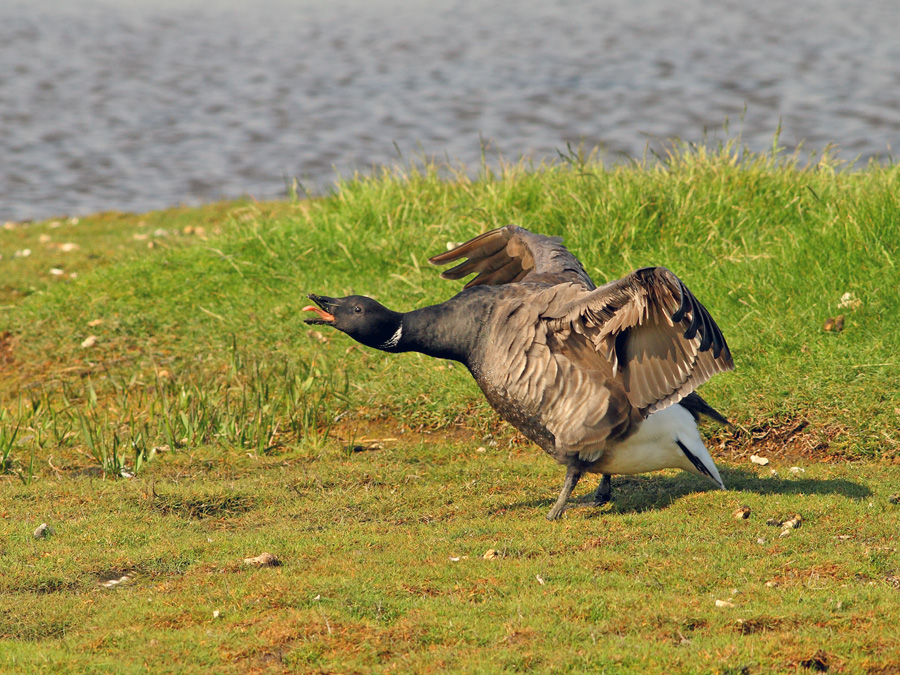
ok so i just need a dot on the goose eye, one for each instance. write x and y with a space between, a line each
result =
357 309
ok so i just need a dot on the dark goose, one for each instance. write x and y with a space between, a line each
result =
602 378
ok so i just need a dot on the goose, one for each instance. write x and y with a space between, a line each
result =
602 379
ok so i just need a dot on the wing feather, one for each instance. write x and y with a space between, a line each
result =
512 254
660 340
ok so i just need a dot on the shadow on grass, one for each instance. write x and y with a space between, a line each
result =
634 494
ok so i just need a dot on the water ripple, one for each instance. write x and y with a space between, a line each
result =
114 104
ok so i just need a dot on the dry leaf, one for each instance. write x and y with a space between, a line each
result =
756 459
742 513
793 522
490 554
263 560
834 324
817 662
109 583
89 341
724 603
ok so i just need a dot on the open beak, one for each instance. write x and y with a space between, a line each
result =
324 305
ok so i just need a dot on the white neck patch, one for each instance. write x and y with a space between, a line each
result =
394 339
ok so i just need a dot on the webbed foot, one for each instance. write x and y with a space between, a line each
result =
572 477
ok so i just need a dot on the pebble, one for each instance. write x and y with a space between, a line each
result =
724 603
756 459
43 531
848 301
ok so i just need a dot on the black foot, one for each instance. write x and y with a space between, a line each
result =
603 495
572 477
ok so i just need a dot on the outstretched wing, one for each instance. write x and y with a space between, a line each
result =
659 340
512 254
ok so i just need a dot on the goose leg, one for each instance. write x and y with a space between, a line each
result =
604 491
572 476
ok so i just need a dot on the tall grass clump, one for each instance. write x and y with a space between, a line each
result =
123 420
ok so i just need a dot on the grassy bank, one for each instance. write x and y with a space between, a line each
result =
169 348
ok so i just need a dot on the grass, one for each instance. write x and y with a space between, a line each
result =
167 413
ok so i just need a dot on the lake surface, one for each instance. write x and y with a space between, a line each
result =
136 105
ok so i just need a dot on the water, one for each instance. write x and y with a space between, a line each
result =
136 105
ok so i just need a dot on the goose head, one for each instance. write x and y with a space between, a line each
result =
365 320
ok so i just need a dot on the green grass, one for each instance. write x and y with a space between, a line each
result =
248 431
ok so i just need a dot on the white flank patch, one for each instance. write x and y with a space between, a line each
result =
655 446
395 338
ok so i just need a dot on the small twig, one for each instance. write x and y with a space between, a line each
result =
56 470
212 314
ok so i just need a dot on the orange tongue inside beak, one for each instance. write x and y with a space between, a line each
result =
321 312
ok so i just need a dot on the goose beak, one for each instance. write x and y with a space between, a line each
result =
324 304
